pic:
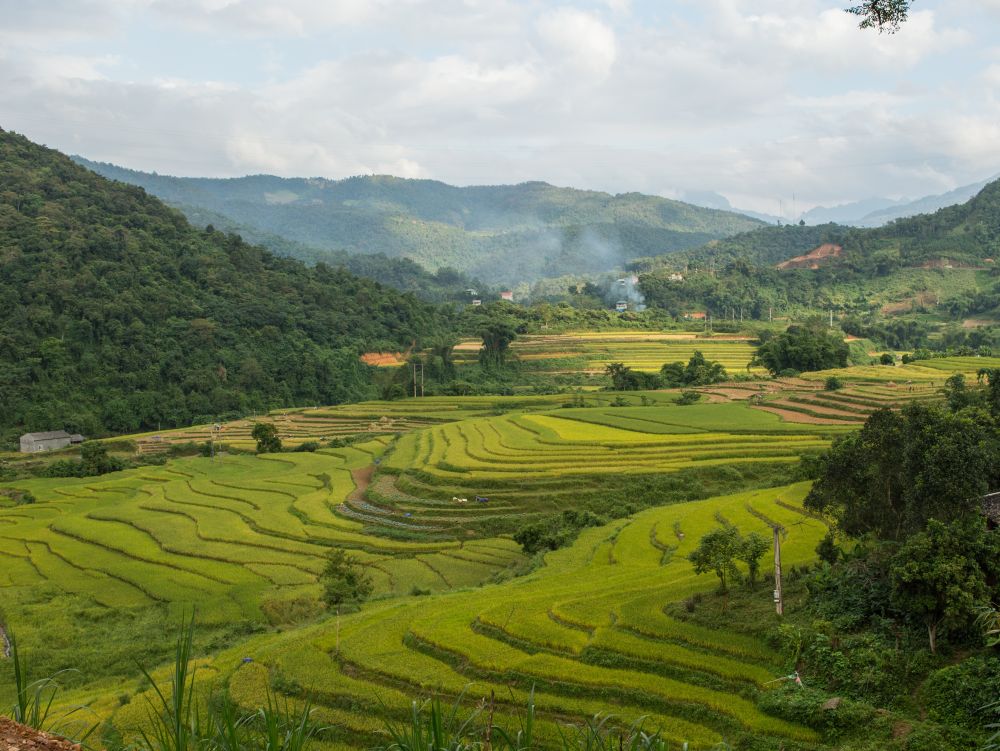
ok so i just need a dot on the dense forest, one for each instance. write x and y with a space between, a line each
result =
501 234
116 315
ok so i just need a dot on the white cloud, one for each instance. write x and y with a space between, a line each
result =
580 40
755 99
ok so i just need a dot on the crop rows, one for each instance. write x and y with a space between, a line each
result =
647 351
223 535
588 632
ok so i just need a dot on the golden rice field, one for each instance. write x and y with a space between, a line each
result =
415 500
587 633
222 535
588 352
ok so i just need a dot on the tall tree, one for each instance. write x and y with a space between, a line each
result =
940 575
497 336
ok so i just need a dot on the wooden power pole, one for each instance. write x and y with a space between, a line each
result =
779 604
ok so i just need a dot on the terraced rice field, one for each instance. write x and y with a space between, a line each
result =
802 400
588 632
536 463
374 418
934 371
589 352
221 535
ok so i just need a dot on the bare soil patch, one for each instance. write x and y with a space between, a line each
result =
789 416
14 737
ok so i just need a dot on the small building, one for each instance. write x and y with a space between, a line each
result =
695 316
48 441
477 302
509 296
621 306
676 277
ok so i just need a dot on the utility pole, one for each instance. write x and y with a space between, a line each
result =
414 380
831 318
779 604
421 379
770 310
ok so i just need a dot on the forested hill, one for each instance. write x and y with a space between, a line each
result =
961 235
947 259
502 234
116 314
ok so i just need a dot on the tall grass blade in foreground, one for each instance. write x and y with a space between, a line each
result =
176 726
33 701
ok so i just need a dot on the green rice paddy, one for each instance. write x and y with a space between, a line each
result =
419 502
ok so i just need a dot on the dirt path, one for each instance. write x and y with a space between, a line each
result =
362 479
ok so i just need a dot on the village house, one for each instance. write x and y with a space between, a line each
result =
48 441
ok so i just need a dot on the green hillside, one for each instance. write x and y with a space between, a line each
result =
116 314
501 234
943 263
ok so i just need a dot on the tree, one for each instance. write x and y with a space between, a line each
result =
903 469
956 393
752 547
717 551
827 549
885 15
887 358
620 375
697 372
344 583
96 461
802 348
937 577
267 438
992 378
497 336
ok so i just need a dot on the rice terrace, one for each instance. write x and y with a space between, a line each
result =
426 499
500 376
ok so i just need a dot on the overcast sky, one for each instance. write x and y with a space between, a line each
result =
755 99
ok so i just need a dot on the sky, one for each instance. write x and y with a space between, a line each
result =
770 103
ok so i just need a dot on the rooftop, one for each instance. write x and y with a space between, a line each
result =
46 436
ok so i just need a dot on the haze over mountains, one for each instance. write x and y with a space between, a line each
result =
501 234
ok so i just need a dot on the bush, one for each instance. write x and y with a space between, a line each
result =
929 737
307 446
833 383
957 694
806 706
887 359
688 397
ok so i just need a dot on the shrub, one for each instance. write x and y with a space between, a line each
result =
957 694
930 737
806 706
688 397
833 383
307 446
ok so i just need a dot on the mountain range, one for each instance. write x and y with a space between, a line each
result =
501 234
